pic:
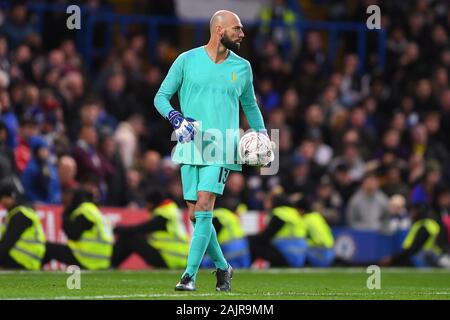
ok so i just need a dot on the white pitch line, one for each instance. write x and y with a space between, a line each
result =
291 294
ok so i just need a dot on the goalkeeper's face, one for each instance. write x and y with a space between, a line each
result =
232 38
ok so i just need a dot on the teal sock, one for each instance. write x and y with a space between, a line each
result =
215 252
199 242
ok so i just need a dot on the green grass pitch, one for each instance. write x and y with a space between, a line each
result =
283 284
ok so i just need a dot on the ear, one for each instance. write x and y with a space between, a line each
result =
220 31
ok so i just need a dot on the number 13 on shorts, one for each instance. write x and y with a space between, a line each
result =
196 178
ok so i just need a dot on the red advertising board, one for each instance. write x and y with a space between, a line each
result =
51 217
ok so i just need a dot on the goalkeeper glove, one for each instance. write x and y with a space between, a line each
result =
185 128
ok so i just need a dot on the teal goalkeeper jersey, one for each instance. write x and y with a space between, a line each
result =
210 93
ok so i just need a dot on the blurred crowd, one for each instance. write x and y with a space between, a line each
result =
361 147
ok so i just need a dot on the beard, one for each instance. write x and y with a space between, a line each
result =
230 44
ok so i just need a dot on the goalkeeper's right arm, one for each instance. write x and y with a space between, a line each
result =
169 87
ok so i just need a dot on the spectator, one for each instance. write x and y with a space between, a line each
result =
40 178
354 87
393 182
118 102
135 196
90 162
424 99
16 26
343 182
314 51
151 168
368 207
234 193
299 180
329 102
117 181
72 91
5 64
328 202
391 144
399 219
169 169
22 154
9 118
7 163
353 160
269 97
92 114
67 171
127 138
424 191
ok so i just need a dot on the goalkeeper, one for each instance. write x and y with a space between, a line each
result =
210 80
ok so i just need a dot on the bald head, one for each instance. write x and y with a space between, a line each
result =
223 18
227 28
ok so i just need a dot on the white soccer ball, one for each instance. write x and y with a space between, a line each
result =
256 149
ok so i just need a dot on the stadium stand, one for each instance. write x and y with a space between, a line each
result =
347 101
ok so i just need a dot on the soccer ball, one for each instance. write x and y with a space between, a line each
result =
256 149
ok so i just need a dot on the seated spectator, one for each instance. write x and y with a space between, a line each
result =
328 202
17 26
235 193
89 161
343 182
151 168
92 114
135 194
67 171
354 87
393 182
9 118
116 182
399 219
352 159
368 207
424 191
22 153
7 163
40 178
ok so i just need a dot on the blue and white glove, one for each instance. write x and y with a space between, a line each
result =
185 128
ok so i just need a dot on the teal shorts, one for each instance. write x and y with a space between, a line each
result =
196 178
